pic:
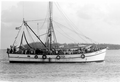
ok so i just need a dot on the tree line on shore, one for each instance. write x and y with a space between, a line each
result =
110 46
75 45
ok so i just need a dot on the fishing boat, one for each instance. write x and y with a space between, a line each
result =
50 51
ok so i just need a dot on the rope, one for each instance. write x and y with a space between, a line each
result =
26 40
30 34
43 34
35 34
54 34
58 6
67 35
21 39
17 34
34 20
70 30
67 19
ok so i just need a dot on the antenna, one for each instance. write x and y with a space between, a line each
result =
23 10
38 29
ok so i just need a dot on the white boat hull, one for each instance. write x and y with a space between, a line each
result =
97 56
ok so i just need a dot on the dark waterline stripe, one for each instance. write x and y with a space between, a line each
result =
53 62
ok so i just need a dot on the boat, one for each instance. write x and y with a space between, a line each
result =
49 53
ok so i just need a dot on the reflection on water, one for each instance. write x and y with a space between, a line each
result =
108 71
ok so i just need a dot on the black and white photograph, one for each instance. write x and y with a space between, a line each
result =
60 41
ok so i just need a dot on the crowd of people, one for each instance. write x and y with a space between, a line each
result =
20 50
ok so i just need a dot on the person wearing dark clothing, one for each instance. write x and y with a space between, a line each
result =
37 51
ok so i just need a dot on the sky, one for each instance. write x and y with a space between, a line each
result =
97 19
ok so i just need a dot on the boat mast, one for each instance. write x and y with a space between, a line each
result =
50 26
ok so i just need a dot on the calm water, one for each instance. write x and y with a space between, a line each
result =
108 71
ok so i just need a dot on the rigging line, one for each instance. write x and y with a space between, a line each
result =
67 19
80 37
66 16
29 34
63 25
71 30
34 20
36 35
26 40
58 6
54 34
17 34
43 34
77 27
21 39
46 38
40 20
67 35
63 13
44 20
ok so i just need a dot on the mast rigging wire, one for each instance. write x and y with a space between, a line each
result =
70 30
66 35
35 35
35 20
21 39
29 34
26 40
17 34
67 19
58 6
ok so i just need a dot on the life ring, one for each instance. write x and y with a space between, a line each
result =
82 56
35 56
28 56
58 57
44 57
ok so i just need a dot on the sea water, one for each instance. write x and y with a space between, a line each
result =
108 71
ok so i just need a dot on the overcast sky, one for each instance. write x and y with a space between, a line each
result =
97 19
